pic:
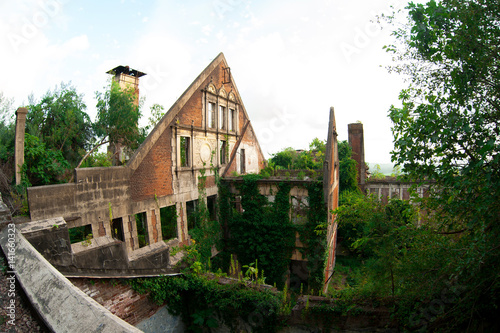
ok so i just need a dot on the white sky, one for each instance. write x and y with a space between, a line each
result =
291 60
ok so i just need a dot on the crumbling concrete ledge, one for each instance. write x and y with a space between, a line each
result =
62 306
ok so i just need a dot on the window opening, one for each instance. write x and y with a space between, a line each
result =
80 234
191 214
117 229
242 161
184 151
142 229
231 123
211 115
168 218
222 117
223 152
211 206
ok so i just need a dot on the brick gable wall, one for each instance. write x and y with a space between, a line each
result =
154 174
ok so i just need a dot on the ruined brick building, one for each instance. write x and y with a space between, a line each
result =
133 214
208 126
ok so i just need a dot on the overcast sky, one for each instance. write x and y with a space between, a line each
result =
291 60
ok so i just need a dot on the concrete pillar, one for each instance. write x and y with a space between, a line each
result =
19 142
356 141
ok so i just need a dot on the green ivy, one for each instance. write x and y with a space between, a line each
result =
313 236
263 231
207 232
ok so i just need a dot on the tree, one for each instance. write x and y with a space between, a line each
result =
118 115
6 129
447 135
41 166
157 112
284 158
311 159
348 173
59 120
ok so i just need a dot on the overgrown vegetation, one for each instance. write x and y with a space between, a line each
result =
207 231
263 231
61 136
313 236
205 304
441 273
292 159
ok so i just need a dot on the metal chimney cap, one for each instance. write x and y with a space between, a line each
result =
125 70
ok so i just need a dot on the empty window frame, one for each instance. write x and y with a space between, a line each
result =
168 218
232 120
80 234
212 207
185 151
141 223
222 117
117 229
242 161
191 213
223 152
211 115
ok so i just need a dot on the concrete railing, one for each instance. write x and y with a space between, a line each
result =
62 306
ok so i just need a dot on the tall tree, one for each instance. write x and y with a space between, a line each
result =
6 129
118 114
59 120
347 169
447 135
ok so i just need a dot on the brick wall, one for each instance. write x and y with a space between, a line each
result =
356 141
154 174
192 110
118 298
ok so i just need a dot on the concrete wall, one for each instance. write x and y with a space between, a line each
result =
100 256
62 306
391 187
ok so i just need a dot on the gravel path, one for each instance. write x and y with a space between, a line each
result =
25 318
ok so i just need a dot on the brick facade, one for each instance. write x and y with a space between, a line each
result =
118 298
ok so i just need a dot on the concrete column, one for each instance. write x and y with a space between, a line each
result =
356 141
19 142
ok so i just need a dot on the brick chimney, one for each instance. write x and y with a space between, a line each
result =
356 141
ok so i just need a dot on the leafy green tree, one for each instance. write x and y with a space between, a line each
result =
447 135
59 120
377 173
348 173
118 115
283 159
448 129
311 159
157 112
7 129
41 166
